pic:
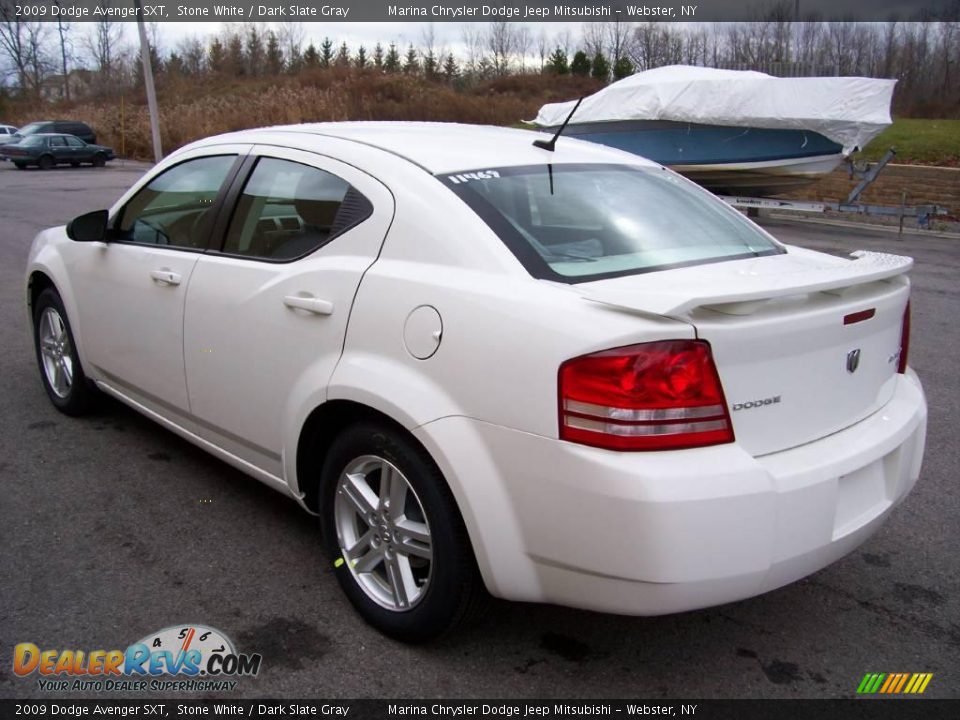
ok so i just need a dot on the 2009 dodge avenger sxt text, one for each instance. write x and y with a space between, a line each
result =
564 376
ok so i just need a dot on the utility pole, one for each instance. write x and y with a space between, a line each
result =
148 84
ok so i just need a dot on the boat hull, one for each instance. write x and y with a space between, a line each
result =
724 159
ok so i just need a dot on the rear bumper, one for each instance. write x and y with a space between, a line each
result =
655 533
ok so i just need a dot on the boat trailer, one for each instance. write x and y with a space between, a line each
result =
866 173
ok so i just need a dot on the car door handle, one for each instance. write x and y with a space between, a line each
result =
315 305
165 277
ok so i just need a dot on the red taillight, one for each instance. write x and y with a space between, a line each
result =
904 340
654 396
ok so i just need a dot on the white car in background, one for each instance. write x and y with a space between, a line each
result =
7 135
565 376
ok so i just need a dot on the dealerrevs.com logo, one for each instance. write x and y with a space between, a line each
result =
199 658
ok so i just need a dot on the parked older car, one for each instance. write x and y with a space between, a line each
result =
567 375
63 127
49 150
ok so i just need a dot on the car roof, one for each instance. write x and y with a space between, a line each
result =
450 147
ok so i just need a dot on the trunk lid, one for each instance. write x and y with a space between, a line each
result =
806 344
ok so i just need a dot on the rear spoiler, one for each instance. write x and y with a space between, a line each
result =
671 297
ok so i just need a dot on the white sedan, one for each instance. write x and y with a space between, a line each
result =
564 376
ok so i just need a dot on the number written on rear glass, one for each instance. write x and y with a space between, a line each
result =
479 175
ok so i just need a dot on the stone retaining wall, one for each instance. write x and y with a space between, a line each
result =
924 186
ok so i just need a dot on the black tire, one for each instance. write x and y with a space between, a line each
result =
79 397
74 163
99 160
46 162
20 165
455 590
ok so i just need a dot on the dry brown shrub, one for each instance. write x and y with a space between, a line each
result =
193 109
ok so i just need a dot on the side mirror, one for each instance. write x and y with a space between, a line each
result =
91 227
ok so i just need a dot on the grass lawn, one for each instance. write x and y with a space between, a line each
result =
922 142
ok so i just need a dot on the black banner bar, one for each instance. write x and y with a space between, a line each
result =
471 11
857 709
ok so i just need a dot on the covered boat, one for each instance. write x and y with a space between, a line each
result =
734 132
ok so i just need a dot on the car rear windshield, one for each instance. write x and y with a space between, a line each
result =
577 222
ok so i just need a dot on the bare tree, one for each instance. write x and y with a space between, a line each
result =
619 35
104 47
428 51
63 29
23 43
594 38
655 44
564 41
474 44
524 41
291 35
501 42
543 47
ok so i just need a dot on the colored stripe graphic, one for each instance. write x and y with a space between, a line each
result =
894 683
903 681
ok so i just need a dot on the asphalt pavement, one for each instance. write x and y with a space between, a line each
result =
111 528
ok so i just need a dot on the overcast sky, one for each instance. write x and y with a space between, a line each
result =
446 35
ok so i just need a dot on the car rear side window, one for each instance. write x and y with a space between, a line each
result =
288 210
582 222
74 142
174 207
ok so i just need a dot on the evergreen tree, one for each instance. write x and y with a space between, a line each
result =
326 53
378 56
174 66
430 65
254 51
411 65
450 69
343 56
235 64
361 60
392 62
622 68
601 67
295 61
216 57
581 64
274 54
485 68
558 64
311 58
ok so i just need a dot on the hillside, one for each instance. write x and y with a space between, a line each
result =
191 110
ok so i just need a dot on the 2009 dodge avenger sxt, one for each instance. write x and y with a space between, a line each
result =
564 376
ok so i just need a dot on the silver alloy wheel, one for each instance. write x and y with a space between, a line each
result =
56 353
383 533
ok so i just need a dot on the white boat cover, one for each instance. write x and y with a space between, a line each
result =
851 111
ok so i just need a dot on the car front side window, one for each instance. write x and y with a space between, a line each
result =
174 208
288 210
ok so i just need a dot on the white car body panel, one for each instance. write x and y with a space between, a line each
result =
229 295
549 520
